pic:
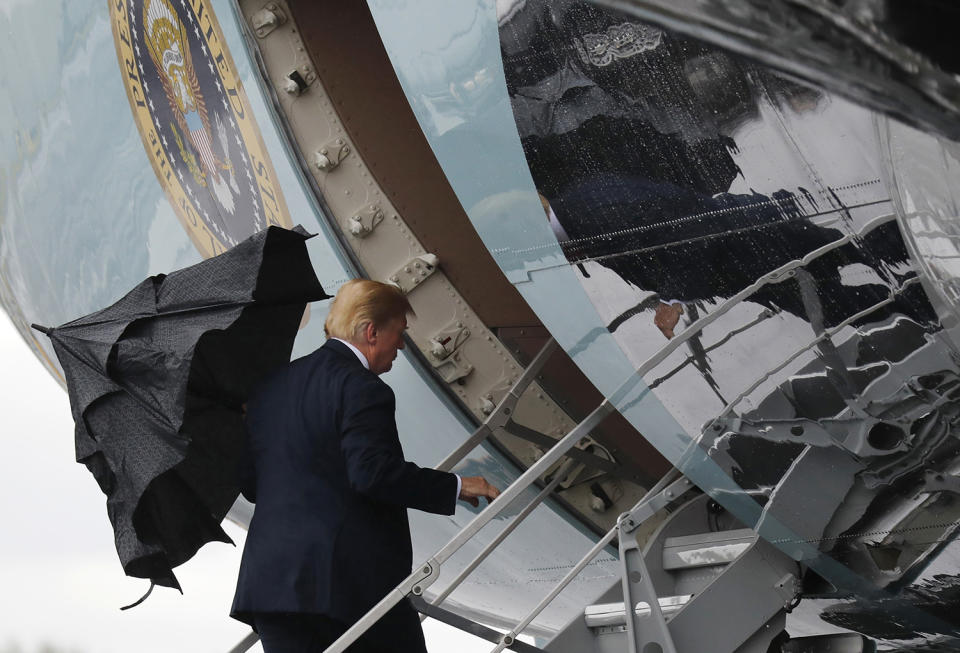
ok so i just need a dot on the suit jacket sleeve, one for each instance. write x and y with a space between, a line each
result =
374 459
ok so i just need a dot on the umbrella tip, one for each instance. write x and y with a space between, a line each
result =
42 329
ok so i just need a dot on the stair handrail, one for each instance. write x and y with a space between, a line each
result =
626 524
429 571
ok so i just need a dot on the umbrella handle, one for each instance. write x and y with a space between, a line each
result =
141 599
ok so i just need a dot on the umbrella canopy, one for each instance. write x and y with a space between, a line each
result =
157 383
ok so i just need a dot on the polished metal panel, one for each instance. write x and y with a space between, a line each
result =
894 57
923 174
613 614
809 385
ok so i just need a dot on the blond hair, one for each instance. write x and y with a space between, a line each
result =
360 302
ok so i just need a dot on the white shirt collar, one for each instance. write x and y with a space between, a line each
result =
363 359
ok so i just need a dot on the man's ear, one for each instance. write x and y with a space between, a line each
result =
370 333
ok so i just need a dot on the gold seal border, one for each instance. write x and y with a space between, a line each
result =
268 189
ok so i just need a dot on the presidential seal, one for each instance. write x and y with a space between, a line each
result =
195 121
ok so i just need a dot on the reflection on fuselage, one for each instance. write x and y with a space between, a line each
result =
826 395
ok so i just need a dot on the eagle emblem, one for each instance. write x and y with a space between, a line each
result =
195 121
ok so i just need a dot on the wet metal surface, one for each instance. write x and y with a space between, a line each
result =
675 175
719 248
895 57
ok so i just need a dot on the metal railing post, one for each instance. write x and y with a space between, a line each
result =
246 643
635 580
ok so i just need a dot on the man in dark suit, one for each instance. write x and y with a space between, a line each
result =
330 535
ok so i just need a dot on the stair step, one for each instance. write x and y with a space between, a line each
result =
613 614
706 549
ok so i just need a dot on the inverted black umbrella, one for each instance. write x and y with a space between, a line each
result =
157 383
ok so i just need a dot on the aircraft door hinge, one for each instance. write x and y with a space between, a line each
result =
298 80
330 155
267 19
414 272
446 352
366 220
448 340
487 406
454 367
489 402
494 395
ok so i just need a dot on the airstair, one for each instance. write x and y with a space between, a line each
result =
693 589
686 575
694 585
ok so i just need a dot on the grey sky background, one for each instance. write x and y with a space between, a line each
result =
61 583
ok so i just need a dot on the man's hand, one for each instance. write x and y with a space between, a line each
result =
474 487
666 317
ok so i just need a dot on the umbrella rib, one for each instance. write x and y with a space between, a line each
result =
180 311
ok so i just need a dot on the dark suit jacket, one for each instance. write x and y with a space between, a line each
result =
330 533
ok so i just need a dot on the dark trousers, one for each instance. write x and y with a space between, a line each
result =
283 632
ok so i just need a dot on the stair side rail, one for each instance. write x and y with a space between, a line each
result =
652 502
429 571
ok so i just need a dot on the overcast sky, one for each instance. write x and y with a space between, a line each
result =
61 583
